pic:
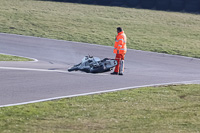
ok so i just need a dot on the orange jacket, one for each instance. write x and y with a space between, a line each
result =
120 43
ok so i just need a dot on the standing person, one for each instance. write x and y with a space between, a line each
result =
120 51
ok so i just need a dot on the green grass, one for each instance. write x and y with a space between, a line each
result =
13 58
167 109
158 31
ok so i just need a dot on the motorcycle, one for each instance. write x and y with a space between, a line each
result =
92 64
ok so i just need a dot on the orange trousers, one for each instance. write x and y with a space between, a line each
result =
118 58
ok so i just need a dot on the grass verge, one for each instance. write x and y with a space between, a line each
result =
168 109
13 58
157 31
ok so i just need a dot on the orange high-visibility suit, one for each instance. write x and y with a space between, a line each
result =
120 51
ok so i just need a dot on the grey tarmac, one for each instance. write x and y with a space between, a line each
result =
48 78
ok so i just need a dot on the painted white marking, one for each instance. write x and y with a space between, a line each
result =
31 69
99 92
45 70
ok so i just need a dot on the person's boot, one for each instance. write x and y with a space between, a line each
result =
114 73
121 68
121 74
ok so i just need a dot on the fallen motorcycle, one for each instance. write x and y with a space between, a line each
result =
92 64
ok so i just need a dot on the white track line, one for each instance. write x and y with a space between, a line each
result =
99 92
45 70
31 69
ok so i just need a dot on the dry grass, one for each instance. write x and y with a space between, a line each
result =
12 58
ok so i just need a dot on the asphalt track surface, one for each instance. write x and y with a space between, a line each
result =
47 78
